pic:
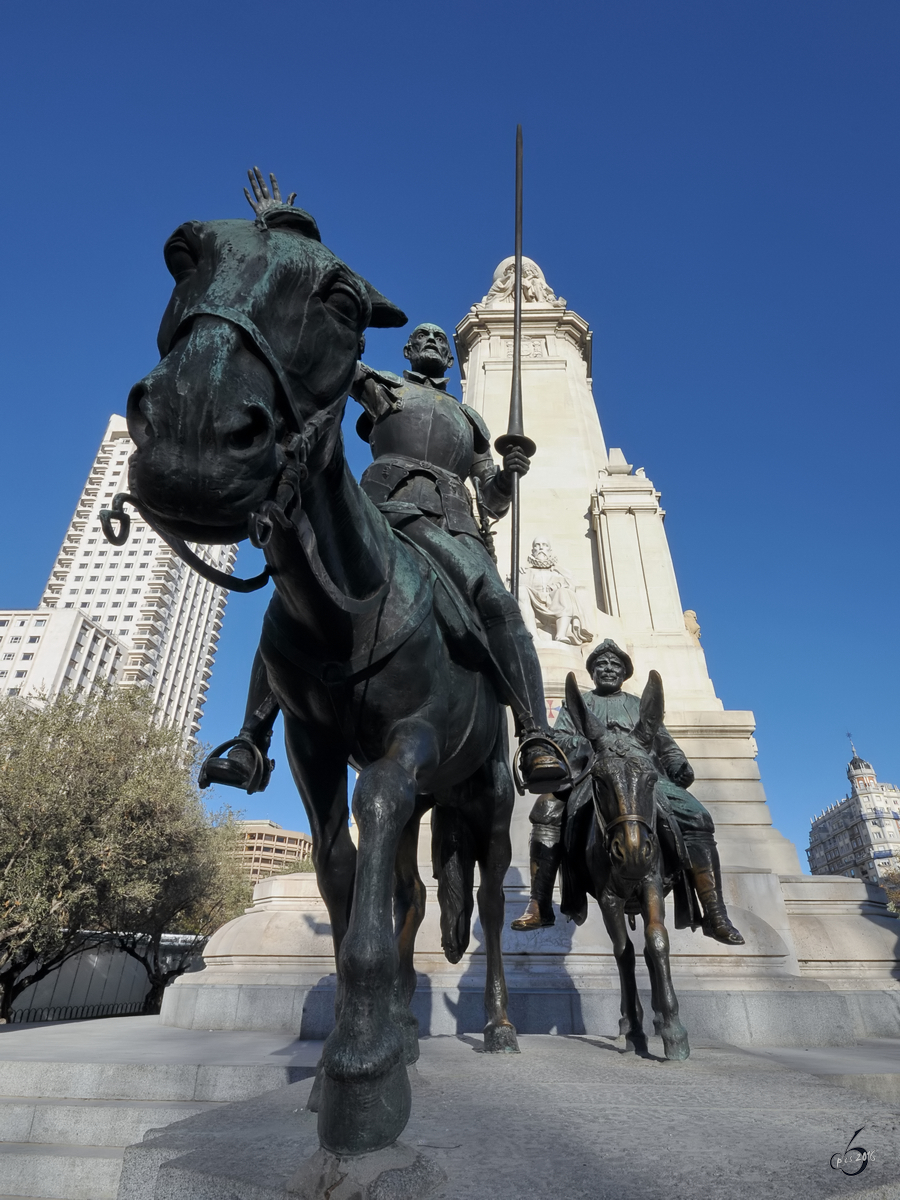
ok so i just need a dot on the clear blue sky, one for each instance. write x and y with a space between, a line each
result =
713 184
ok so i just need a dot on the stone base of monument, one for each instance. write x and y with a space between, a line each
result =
818 968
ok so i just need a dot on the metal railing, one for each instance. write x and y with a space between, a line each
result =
82 1012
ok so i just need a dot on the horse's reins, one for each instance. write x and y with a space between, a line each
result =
296 447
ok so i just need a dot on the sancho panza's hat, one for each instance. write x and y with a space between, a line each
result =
609 647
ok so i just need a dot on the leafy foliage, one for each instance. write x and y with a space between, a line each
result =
890 881
102 828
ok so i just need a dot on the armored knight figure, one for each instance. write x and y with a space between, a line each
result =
610 667
425 445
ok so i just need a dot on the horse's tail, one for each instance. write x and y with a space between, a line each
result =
453 859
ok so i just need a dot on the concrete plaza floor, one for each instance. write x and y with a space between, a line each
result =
570 1116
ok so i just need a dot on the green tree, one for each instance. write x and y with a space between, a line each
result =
890 881
102 829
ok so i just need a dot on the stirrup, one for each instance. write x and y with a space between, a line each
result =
540 739
259 776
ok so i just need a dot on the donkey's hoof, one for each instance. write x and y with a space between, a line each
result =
359 1116
675 1044
500 1038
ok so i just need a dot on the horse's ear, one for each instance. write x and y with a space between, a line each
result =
298 220
653 706
583 720
385 315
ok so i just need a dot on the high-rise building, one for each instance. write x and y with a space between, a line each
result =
859 835
134 613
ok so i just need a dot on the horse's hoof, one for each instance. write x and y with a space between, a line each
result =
410 1041
500 1038
315 1093
359 1116
637 1042
675 1045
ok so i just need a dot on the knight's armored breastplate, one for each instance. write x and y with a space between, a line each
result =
429 426
423 453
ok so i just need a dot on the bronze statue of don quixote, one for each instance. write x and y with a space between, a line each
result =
390 641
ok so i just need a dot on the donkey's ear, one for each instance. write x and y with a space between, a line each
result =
653 706
385 315
582 718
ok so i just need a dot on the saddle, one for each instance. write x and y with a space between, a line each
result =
381 631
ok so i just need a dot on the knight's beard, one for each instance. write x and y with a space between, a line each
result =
430 363
542 561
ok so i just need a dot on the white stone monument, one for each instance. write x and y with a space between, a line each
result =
820 959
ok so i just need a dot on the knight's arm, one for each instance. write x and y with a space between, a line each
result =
672 758
374 390
496 484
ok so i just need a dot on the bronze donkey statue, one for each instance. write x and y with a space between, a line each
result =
622 860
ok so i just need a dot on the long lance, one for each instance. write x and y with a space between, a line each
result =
515 438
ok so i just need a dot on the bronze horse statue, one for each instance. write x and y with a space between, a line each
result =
621 861
238 434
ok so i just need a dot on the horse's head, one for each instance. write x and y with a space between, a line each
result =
624 776
259 342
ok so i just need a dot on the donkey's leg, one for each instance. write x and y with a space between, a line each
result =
656 954
365 1091
490 808
631 1023
409 912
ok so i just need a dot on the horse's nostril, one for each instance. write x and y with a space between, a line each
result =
139 424
255 426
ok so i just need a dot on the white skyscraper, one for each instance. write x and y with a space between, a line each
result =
133 613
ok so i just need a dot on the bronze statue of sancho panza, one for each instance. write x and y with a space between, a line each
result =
619 711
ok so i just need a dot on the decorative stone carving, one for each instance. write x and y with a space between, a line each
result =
535 289
555 606
690 623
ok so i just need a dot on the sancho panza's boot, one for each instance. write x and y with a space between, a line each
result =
545 855
707 880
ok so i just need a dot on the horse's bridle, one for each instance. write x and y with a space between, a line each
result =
296 447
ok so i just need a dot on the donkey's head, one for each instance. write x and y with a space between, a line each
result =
259 345
624 777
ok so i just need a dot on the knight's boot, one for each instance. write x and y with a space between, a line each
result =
243 762
707 879
246 764
544 865
541 762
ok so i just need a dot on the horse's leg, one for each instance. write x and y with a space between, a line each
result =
409 911
492 806
320 771
656 954
365 1088
631 1022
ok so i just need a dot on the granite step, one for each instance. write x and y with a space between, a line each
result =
60 1172
88 1122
